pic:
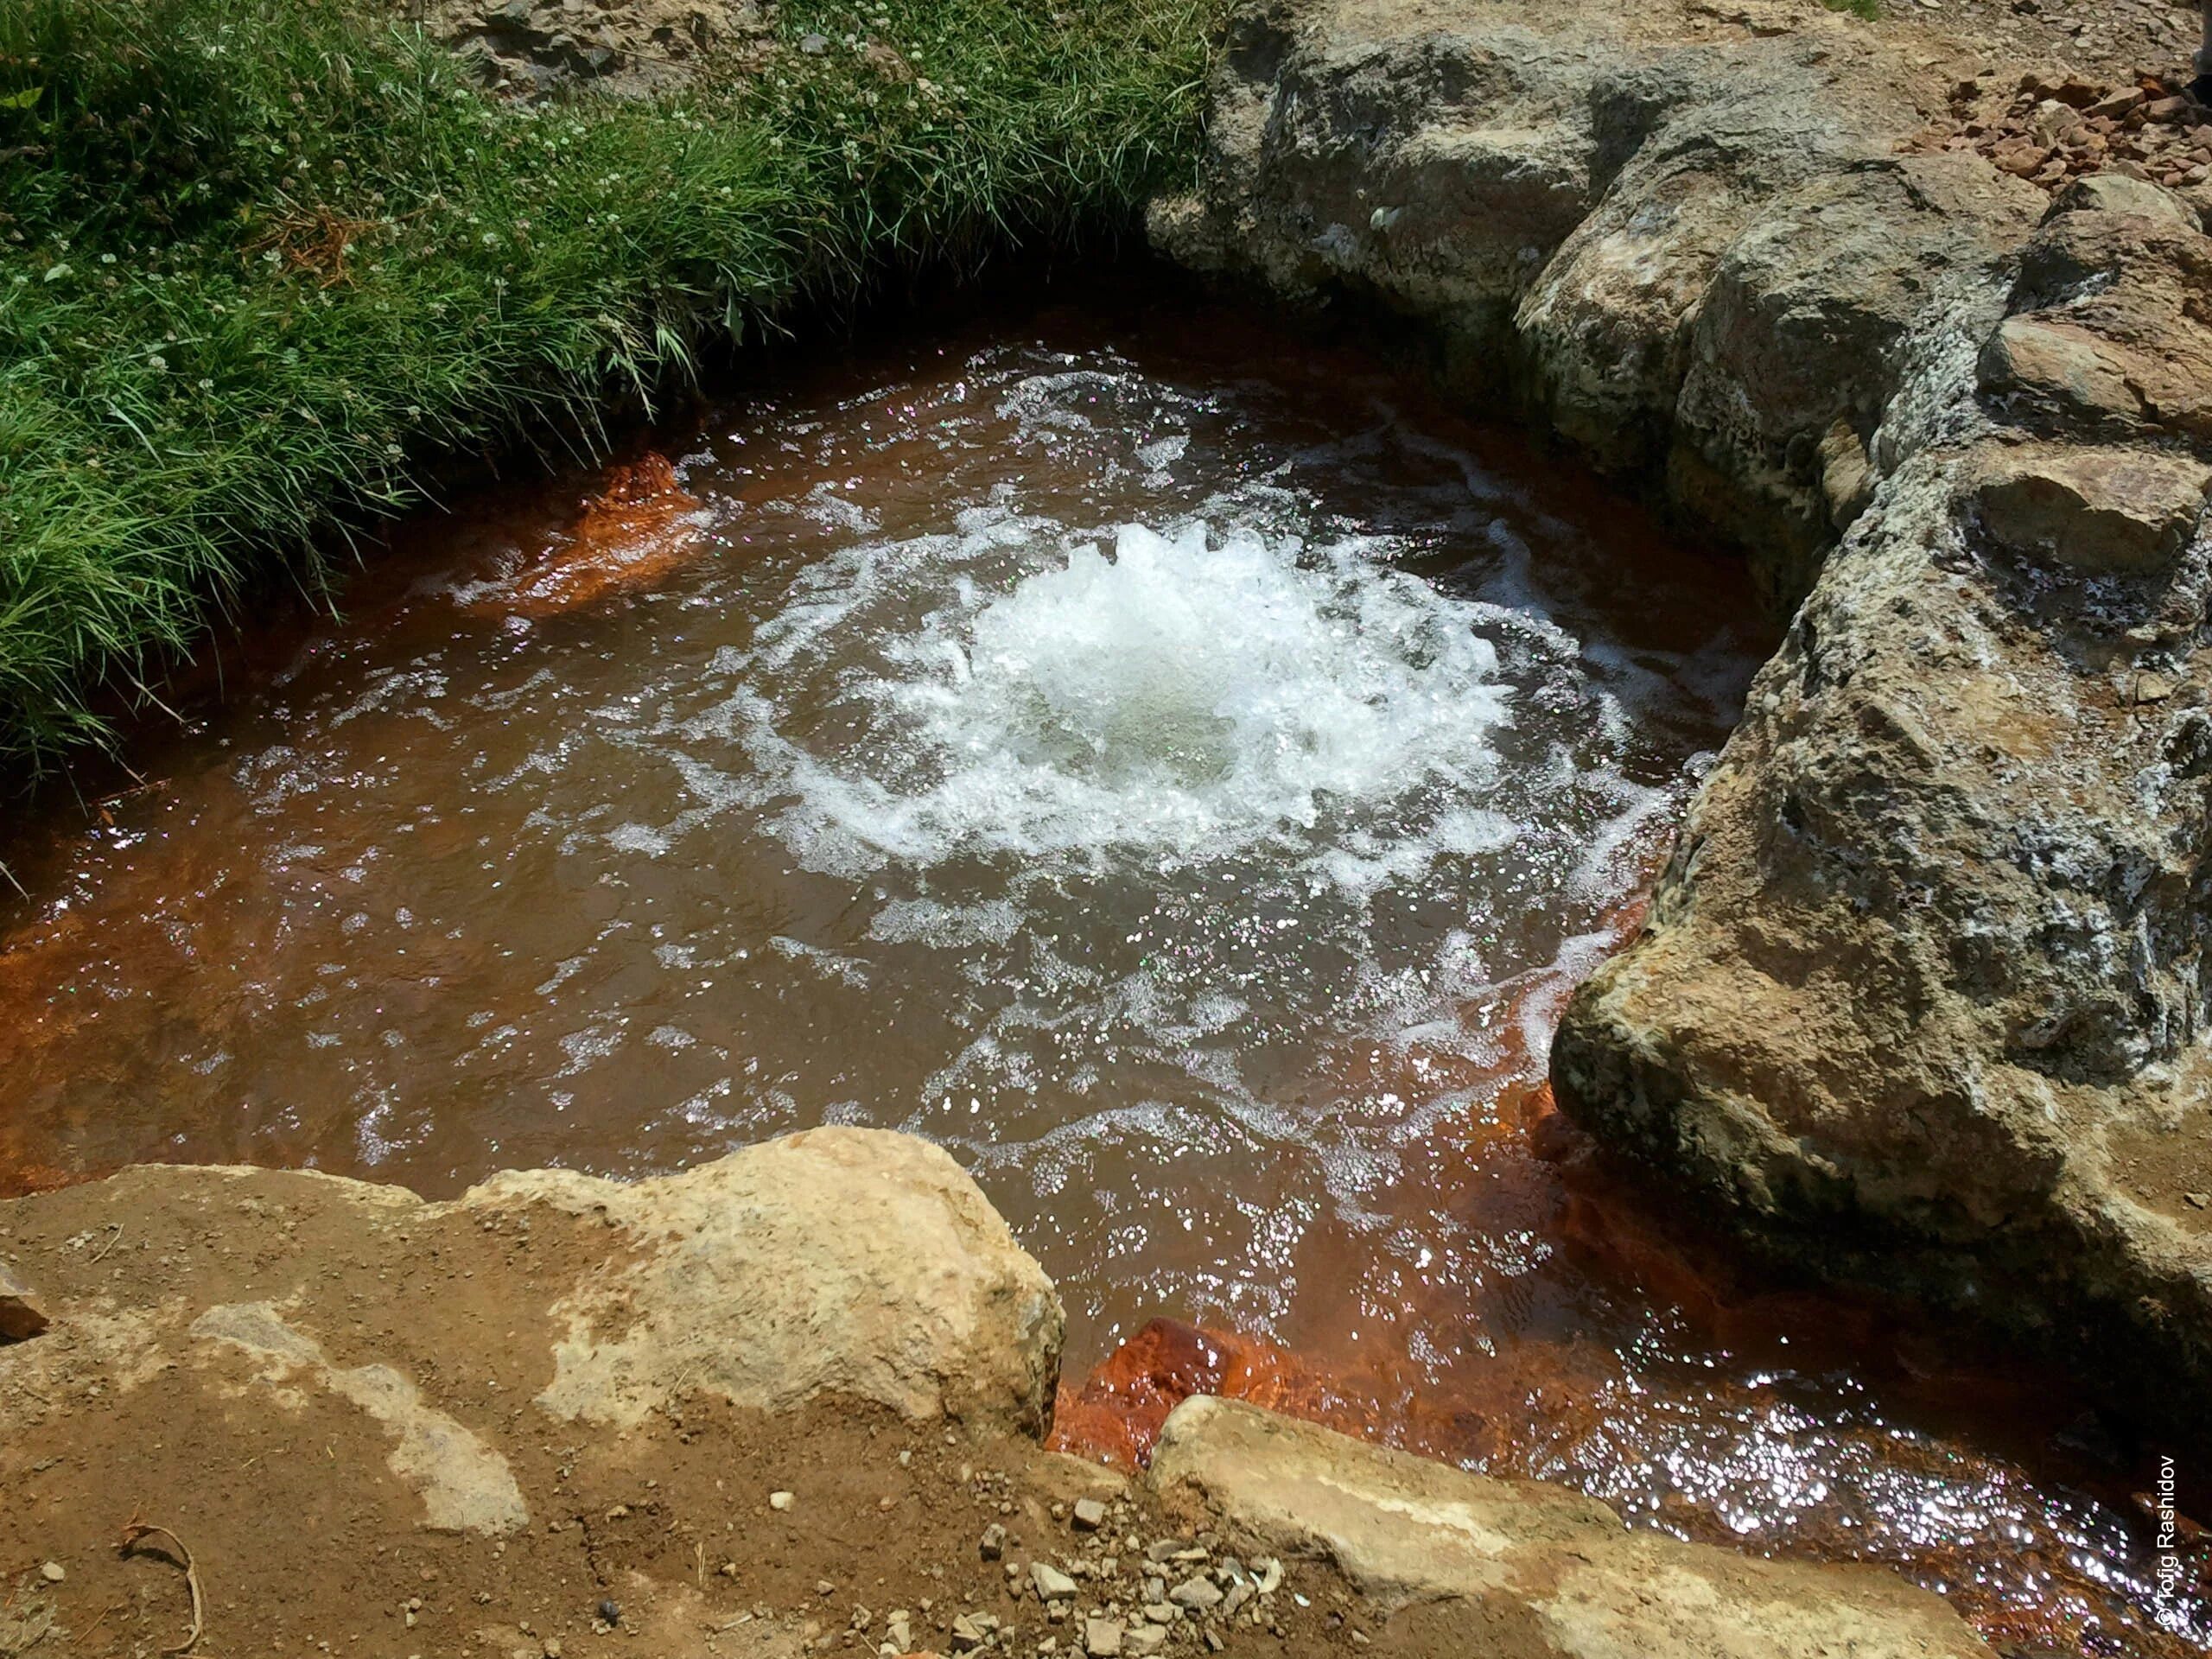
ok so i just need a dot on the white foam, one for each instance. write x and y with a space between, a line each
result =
1195 694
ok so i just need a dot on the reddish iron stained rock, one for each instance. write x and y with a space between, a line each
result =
631 536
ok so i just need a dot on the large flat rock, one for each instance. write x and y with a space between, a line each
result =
1520 1568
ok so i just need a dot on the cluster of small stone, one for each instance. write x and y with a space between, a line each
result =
1110 1594
2048 129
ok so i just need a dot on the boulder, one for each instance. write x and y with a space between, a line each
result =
839 1260
852 1264
2108 334
2116 193
1494 1555
1691 258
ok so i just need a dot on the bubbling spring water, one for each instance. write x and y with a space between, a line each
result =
1191 697
1186 792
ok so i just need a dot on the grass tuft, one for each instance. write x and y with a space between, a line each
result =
261 262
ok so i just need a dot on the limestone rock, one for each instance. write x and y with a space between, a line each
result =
837 1261
1691 258
2116 193
848 1263
1517 1552
2098 509
631 48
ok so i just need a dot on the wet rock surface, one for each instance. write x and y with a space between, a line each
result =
1920 998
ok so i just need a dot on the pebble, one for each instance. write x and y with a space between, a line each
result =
611 1610
973 1629
52 1571
1051 1583
1089 1515
781 1500
1270 1572
1198 1594
1144 1639
993 1544
1102 1638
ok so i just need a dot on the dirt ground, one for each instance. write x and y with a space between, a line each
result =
307 1535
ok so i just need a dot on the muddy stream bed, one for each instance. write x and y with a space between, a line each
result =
1179 769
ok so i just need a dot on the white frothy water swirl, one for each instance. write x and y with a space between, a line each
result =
1195 694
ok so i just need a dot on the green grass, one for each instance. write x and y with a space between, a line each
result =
263 262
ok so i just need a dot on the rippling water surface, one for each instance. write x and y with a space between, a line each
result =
1178 771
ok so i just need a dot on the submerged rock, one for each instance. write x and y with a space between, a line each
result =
1493 1556
1920 1000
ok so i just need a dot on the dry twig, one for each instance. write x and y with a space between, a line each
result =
137 1530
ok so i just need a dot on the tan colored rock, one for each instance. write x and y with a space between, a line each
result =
847 1262
465 1486
1846 475
1922 996
2109 334
22 1314
1406 1530
2062 362
838 1261
2096 510
2116 193
1690 258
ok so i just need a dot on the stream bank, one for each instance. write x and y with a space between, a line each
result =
782 1404
1918 1002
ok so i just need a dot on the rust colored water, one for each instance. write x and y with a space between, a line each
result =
1179 771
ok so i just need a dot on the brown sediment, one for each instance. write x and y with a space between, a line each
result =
640 527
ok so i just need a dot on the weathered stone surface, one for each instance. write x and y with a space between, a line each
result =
2097 510
2116 193
2109 335
1920 1000
1520 1555
626 46
852 1263
838 1261
465 1486
1692 259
